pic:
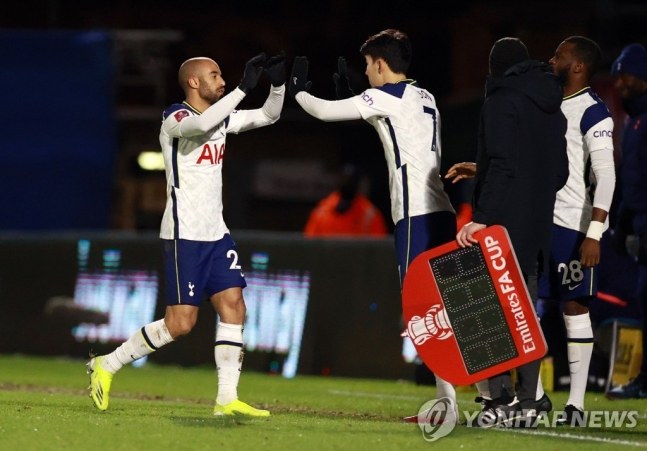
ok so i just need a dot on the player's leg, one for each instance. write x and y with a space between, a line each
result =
574 285
183 262
413 236
227 282
228 350
579 342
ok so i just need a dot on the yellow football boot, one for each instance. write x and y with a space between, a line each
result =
100 381
238 407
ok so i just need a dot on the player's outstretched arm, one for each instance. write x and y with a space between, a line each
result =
342 110
271 110
218 112
342 84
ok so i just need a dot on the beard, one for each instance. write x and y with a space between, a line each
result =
210 95
562 75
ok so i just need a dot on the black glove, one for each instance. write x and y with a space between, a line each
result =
275 69
251 74
342 85
299 76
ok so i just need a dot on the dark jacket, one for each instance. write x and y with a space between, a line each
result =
522 160
633 170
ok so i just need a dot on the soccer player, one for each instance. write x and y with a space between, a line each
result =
199 255
580 217
408 122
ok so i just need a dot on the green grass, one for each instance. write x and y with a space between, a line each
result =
44 406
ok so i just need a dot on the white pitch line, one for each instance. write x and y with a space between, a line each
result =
578 437
373 395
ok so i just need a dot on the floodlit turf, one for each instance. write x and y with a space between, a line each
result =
44 406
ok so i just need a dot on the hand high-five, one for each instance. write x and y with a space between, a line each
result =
299 76
252 73
275 69
342 85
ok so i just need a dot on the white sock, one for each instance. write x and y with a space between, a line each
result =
445 390
145 341
580 347
229 360
540 389
484 389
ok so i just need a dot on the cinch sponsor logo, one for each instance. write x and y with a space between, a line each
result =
366 98
213 157
507 288
603 133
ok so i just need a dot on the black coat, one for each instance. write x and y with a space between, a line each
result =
522 160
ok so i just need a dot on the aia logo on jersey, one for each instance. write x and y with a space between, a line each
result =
212 156
181 115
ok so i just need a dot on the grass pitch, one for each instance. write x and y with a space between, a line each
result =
44 406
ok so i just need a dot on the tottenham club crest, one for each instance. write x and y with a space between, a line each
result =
435 324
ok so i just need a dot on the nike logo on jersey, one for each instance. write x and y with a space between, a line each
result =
571 363
572 288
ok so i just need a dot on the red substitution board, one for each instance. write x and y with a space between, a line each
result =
468 311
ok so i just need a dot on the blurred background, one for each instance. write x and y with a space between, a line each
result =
85 84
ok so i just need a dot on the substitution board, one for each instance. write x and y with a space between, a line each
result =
468 311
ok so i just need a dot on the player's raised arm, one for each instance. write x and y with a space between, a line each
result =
220 108
342 110
271 111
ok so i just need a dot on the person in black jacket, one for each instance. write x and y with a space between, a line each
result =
521 164
629 72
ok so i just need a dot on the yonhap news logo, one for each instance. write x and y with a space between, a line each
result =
437 418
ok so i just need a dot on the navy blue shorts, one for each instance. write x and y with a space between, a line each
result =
418 234
566 278
197 268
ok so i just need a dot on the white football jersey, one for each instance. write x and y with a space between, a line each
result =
194 176
590 129
408 123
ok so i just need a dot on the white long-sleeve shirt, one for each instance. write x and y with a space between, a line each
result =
193 145
408 122
589 140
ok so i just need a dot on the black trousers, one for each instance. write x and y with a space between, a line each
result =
528 374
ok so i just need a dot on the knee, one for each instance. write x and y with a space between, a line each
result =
178 326
235 302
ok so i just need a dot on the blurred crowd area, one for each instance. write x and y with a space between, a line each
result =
275 176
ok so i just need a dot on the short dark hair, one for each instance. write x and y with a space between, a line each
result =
586 51
392 46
